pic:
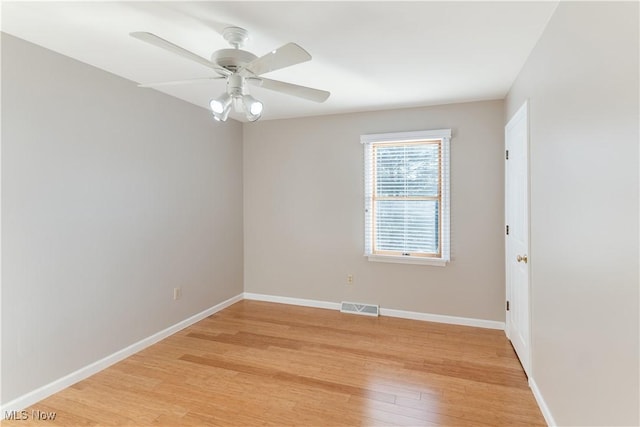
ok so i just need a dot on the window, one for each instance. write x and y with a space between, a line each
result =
407 197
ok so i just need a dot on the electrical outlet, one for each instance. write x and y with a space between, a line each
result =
177 293
349 279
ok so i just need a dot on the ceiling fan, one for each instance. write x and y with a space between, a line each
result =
239 67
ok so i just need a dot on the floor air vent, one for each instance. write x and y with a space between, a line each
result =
364 309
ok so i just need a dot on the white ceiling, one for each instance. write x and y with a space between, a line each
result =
369 55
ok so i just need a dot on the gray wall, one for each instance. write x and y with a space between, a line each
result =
112 196
582 84
303 218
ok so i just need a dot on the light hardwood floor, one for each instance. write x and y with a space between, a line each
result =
258 363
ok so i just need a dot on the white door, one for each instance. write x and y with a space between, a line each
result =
517 237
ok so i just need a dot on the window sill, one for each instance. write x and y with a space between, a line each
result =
439 262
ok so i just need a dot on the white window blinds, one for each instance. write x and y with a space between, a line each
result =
407 196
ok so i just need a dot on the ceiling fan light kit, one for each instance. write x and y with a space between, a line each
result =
238 67
236 96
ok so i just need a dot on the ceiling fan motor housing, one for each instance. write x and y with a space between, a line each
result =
232 59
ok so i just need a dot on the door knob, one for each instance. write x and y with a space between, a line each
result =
522 258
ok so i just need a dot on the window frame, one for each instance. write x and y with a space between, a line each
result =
370 142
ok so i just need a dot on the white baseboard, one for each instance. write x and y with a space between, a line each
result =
440 318
546 413
427 317
47 390
292 301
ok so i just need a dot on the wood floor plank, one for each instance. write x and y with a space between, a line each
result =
266 364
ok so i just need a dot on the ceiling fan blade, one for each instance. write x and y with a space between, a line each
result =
311 94
284 56
167 45
180 82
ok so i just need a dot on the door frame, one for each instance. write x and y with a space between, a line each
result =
523 110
